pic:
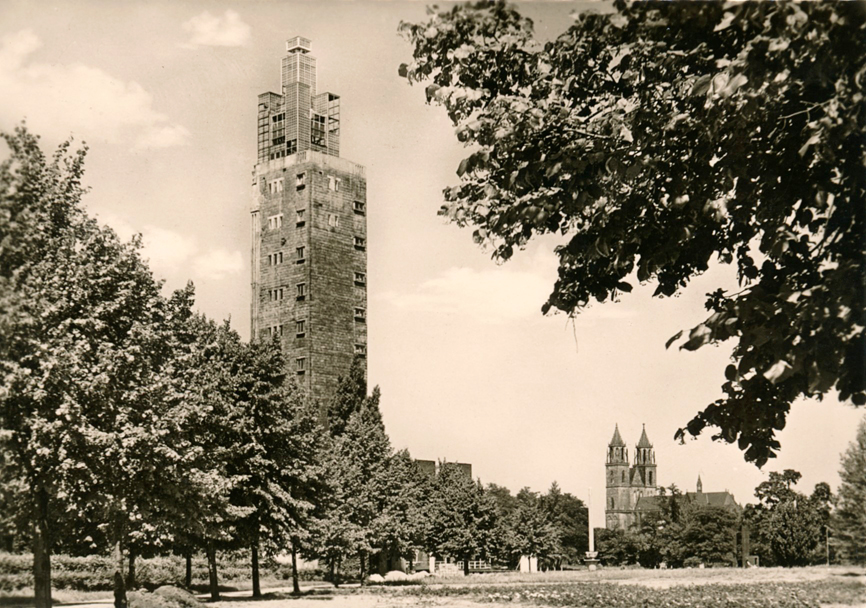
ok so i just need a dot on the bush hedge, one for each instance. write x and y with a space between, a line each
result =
94 572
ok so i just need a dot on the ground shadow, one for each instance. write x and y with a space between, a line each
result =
309 594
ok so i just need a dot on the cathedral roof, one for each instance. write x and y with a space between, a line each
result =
644 442
711 499
616 441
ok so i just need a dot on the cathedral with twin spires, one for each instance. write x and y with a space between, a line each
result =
626 484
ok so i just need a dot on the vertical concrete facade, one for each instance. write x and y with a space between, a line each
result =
308 232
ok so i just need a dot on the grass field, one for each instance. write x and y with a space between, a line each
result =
817 587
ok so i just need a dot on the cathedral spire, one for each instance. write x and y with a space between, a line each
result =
644 441
700 485
616 441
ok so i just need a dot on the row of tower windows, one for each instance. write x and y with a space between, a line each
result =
301 326
276 294
275 222
301 362
334 183
317 140
275 259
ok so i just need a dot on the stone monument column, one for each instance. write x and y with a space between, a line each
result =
592 554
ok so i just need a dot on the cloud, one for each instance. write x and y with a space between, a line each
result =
497 294
162 137
167 250
171 253
208 30
57 99
218 263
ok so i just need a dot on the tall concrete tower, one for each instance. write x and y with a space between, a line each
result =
308 230
618 507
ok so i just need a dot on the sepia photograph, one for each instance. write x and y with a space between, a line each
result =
397 303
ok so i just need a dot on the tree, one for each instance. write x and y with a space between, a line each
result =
374 505
281 476
348 397
666 137
616 547
462 518
569 515
710 535
535 533
786 525
82 352
850 515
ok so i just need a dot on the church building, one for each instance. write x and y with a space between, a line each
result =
632 490
627 484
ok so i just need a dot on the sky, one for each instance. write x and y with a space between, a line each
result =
165 93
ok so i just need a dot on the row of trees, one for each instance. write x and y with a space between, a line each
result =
681 533
132 425
128 421
383 507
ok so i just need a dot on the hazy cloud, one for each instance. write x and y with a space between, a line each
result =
163 137
209 30
172 253
218 264
497 294
57 99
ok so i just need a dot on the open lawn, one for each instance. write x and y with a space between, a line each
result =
819 587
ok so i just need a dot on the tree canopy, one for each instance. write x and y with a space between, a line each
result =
850 516
665 137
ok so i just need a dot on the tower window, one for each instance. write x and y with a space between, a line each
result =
299 251
360 278
300 328
623 476
360 207
300 180
333 220
333 183
292 147
650 477
360 349
300 215
301 365
611 502
275 222
302 291
275 186
360 314
360 244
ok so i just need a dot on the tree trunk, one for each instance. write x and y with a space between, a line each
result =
188 557
41 552
362 557
212 571
296 587
130 575
465 566
119 583
257 590
333 569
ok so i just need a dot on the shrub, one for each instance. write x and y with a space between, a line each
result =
94 572
182 598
